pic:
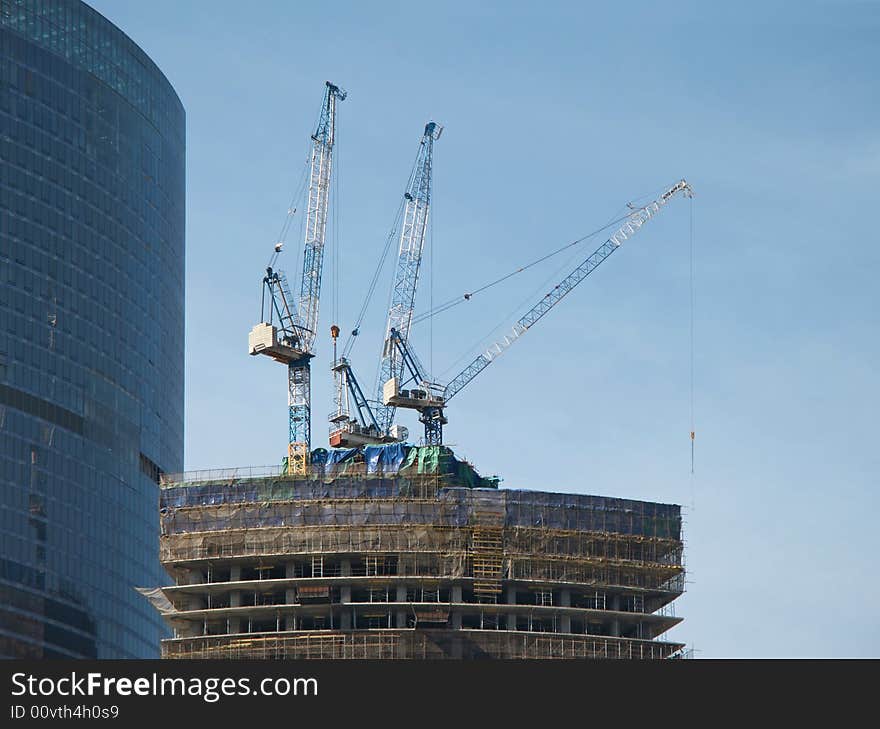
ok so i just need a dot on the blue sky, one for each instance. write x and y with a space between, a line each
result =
556 114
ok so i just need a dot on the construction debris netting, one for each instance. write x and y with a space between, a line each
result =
396 485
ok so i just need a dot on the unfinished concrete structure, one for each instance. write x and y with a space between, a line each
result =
406 552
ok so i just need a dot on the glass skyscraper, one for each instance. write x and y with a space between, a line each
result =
92 139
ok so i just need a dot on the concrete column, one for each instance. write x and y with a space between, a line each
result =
191 631
345 617
400 615
290 596
510 599
615 624
565 620
290 592
455 598
194 601
235 598
345 595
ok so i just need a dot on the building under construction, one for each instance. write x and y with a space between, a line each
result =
400 551
379 549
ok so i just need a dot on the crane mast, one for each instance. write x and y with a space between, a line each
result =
417 202
431 399
356 420
291 341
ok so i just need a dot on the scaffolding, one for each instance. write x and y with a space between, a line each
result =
422 644
414 557
423 499
487 552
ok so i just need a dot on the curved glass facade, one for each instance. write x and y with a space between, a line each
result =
92 142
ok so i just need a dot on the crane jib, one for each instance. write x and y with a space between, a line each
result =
638 218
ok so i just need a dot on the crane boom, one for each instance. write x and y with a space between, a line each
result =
316 214
635 221
417 202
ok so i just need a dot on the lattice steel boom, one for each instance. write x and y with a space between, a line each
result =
430 399
417 202
636 220
316 214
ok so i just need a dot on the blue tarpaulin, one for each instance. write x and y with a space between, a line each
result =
385 459
336 457
340 455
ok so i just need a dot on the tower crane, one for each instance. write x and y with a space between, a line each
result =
417 203
431 398
366 424
288 327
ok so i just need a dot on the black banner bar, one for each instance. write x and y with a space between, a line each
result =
129 692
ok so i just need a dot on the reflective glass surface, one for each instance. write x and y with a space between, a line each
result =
91 330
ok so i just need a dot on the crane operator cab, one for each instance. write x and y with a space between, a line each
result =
427 395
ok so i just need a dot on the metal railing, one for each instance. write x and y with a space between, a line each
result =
221 474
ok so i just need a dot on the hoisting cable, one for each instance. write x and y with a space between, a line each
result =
469 295
692 342
335 257
631 208
339 207
291 209
506 320
349 343
431 288
291 212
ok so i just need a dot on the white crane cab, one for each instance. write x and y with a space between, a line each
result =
264 339
417 398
